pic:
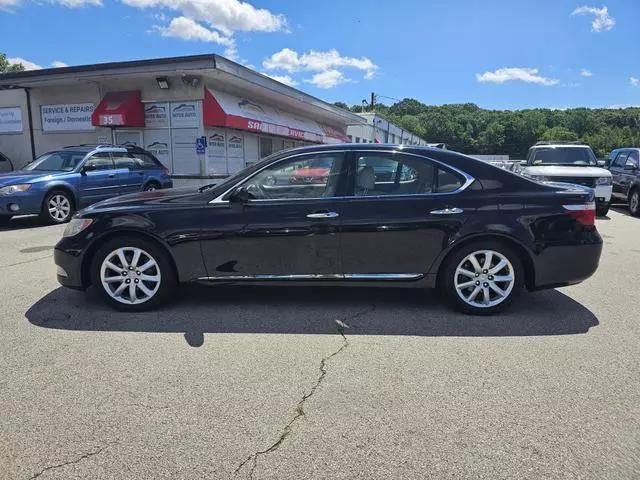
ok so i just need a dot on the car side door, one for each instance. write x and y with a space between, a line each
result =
98 179
130 172
286 228
617 172
630 172
403 209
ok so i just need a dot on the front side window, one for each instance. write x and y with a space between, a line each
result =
563 156
99 161
63 161
307 176
393 174
620 160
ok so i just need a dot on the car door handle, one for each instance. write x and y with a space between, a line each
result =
323 215
447 211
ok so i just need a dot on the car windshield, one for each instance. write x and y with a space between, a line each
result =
63 161
563 156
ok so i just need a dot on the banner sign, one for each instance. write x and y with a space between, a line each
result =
11 120
156 115
67 117
216 152
185 115
158 143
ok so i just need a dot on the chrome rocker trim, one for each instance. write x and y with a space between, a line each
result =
348 276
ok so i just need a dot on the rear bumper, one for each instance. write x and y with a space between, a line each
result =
559 266
69 265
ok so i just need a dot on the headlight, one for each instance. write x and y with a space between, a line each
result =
11 189
76 225
604 181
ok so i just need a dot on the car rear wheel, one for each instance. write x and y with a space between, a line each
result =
133 274
602 211
151 187
57 207
482 278
634 203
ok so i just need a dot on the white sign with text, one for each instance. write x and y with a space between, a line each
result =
67 117
11 120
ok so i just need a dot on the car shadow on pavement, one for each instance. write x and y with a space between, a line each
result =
19 223
199 310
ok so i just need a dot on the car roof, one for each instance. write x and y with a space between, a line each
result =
564 145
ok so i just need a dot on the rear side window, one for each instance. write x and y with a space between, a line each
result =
380 174
124 160
146 159
99 161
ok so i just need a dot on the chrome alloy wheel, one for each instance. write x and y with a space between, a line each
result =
59 207
130 275
634 203
484 279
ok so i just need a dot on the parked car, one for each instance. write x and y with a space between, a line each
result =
571 163
625 168
62 181
478 233
5 164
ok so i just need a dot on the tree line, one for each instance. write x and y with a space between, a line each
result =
468 128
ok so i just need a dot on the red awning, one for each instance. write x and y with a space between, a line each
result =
221 109
119 109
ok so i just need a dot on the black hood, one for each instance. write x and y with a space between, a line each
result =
172 196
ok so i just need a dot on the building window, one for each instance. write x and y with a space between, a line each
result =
357 139
350 138
266 146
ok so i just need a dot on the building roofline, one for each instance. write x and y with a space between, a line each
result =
213 62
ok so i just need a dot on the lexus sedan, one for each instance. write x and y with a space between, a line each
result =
59 182
477 233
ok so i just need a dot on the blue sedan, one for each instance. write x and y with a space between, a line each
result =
58 183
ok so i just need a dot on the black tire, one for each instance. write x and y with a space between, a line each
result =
4 219
151 186
602 211
634 202
52 217
447 277
168 279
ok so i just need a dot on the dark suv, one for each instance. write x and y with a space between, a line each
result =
625 169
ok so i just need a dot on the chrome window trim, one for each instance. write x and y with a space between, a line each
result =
320 276
468 179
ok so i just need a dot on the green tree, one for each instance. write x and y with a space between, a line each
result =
7 67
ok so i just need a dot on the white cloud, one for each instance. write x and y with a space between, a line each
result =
227 16
188 29
586 73
9 4
602 21
328 79
25 63
327 66
58 64
77 3
286 79
527 75
634 81
315 61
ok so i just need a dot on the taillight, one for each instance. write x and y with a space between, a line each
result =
584 213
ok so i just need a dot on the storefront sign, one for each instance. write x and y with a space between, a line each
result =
156 115
67 117
184 115
158 143
11 120
216 152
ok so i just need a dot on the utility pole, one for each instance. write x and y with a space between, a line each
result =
373 102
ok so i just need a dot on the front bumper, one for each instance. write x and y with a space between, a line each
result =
69 263
558 266
20 204
603 194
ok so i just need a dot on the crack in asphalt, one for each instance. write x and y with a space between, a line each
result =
26 261
299 410
74 461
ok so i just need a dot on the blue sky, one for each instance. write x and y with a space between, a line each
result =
503 54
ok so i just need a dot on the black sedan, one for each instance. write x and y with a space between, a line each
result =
440 219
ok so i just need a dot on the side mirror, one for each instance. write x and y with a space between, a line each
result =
602 163
239 195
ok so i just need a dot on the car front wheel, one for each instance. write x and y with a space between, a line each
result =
57 207
482 278
133 274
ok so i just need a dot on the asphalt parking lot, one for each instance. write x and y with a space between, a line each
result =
318 383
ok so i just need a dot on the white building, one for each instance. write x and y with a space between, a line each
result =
379 130
203 116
